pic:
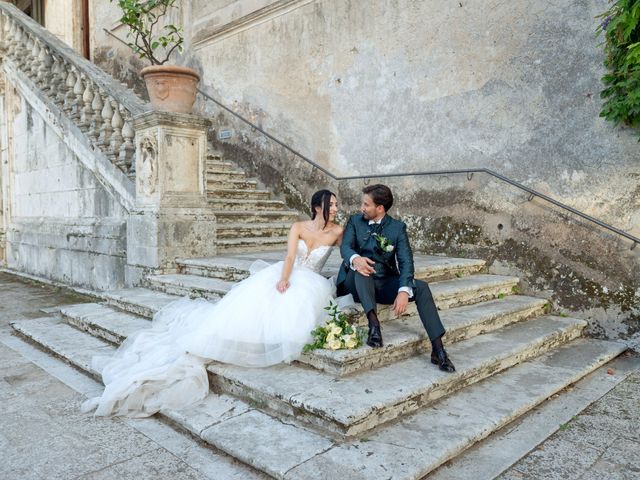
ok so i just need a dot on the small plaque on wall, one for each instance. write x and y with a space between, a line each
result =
225 134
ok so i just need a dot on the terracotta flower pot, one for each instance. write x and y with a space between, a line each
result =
171 88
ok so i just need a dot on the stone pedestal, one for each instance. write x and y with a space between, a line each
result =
171 218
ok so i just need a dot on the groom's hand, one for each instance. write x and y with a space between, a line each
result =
400 304
364 266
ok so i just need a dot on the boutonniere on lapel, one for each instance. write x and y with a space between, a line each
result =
383 243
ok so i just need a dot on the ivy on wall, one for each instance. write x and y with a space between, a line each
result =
621 30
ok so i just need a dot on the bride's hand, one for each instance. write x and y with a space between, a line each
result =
282 286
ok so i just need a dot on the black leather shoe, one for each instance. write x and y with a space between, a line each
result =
375 336
440 358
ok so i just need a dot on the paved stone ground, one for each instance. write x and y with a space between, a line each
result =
602 442
43 434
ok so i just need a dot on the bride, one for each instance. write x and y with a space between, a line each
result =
263 320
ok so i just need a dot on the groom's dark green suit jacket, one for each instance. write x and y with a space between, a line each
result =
358 238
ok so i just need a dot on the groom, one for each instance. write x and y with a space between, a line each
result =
378 268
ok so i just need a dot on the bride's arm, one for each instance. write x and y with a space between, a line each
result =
340 235
292 247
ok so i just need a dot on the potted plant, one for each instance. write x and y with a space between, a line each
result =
171 88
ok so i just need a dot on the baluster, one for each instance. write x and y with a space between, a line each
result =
105 129
12 38
127 148
78 91
57 80
24 49
31 69
62 83
87 110
96 122
44 77
69 84
116 136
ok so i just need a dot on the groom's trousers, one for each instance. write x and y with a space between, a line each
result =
369 291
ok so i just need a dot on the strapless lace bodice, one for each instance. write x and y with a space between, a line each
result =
312 259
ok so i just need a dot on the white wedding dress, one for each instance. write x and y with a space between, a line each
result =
254 325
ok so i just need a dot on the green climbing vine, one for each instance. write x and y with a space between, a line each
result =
621 30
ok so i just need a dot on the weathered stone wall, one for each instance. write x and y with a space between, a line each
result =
62 223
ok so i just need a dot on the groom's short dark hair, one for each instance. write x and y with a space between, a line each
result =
380 194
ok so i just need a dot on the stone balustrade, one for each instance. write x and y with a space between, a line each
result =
101 108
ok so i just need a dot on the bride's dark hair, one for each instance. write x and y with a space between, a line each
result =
322 198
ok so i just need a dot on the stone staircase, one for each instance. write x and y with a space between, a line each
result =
364 413
248 219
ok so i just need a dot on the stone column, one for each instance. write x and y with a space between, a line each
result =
171 218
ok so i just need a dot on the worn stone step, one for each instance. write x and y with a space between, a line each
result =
455 292
246 204
218 165
253 216
139 301
222 174
103 321
191 285
419 443
252 230
236 245
236 267
237 193
447 293
348 406
406 337
242 184
64 341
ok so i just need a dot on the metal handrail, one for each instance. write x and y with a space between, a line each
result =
467 171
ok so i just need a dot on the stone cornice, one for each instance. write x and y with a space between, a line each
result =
207 36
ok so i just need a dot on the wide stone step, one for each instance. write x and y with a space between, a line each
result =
64 341
104 322
252 230
348 406
406 337
407 449
245 204
237 193
253 216
447 294
191 285
236 267
139 301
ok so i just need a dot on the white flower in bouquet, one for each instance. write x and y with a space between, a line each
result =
335 329
335 344
350 341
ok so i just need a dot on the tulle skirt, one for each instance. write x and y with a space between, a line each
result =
254 325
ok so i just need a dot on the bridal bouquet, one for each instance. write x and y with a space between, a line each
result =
337 333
